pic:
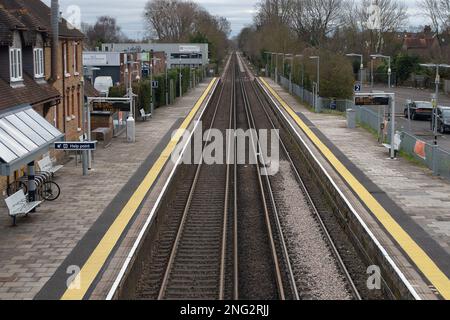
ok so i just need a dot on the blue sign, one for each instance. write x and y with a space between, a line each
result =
357 88
76 146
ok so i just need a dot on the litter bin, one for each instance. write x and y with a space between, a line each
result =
351 118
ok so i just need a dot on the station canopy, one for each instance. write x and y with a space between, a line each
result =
24 136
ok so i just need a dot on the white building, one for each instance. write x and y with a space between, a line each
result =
186 54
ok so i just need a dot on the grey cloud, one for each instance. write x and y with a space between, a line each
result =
129 12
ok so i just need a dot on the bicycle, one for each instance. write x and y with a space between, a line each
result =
45 187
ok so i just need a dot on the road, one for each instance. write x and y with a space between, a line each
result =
421 128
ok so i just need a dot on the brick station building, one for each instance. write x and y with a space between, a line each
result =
26 70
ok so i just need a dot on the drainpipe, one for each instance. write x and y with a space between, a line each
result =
55 38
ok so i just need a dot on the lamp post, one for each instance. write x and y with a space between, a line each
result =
290 56
317 82
371 71
266 53
271 63
181 87
361 67
302 76
152 102
276 67
167 82
389 65
131 123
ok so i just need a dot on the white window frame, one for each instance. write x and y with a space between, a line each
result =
38 59
15 64
75 60
65 62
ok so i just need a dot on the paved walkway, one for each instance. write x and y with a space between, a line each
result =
416 198
31 252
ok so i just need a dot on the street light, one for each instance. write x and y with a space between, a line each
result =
361 66
371 71
317 81
152 61
389 65
131 123
167 84
302 76
267 65
276 66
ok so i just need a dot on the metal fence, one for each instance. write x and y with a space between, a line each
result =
369 118
411 146
307 96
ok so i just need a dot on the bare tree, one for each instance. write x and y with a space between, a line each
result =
438 11
274 12
104 30
314 20
185 21
170 20
378 18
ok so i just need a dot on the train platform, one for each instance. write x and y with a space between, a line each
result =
73 248
405 207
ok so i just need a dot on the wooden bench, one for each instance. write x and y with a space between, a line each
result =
46 165
19 205
144 115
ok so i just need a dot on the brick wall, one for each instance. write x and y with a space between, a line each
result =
101 121
3 181
68 112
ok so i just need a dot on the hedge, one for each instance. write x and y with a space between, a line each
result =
142 87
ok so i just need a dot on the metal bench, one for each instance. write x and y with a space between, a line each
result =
397 142
46 165
19 205
144 115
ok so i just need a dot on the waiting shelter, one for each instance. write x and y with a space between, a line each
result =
24 137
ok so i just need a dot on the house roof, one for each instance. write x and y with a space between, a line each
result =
35 16
418 43
8 23
89 90
31 93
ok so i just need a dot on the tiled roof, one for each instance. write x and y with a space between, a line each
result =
8 23
36 16
89 90
31 93
415 42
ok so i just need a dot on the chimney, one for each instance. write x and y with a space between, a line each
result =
55 37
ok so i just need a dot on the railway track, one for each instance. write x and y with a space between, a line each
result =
223 237
265 121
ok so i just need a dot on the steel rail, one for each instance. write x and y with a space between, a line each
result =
227 189
311 204
276 262
173 253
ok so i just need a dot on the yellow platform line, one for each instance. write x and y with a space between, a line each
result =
425 264
98 257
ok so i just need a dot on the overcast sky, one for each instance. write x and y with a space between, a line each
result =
129 12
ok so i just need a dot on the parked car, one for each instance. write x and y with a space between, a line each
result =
443 119
419 110
102 85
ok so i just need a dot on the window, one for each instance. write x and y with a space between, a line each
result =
78 109
15 64
75 60
65 58
38 58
